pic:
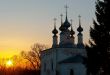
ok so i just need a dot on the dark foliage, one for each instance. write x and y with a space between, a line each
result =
99 51
19 71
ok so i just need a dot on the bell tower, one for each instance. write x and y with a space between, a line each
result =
55 37
65 39
80 35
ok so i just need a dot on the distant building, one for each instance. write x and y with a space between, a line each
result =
65 57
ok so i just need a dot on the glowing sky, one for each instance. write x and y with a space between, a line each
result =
25 22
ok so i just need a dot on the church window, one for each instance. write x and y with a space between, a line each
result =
71 72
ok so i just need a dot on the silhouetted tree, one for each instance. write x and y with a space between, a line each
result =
99 51
33 56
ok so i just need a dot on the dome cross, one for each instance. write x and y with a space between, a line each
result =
61 19
55 22
66 7
79 20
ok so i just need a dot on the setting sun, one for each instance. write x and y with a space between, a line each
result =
9 63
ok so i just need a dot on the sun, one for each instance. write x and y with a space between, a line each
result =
9 63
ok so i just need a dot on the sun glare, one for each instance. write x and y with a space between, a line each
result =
9 63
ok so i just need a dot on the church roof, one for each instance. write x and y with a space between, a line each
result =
67 45
74 59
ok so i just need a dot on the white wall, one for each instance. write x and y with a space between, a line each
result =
47 57
59 54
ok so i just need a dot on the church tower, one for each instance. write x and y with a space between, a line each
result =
66 35
80 35
55 37
72 34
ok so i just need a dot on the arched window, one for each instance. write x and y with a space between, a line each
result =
71 72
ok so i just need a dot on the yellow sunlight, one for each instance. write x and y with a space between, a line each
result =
9 63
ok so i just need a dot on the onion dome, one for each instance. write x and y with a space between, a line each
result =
79 29
66 23
72 32
62 28
55 31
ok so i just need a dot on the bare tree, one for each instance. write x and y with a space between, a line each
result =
33 56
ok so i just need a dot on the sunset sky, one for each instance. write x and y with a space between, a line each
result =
25 22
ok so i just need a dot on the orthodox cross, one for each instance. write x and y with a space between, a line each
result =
66 7
79 20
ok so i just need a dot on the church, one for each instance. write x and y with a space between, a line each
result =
65 57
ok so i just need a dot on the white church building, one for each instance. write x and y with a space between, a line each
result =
65 57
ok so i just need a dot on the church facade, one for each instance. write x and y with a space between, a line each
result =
65 57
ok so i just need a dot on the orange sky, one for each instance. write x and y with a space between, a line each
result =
25 22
